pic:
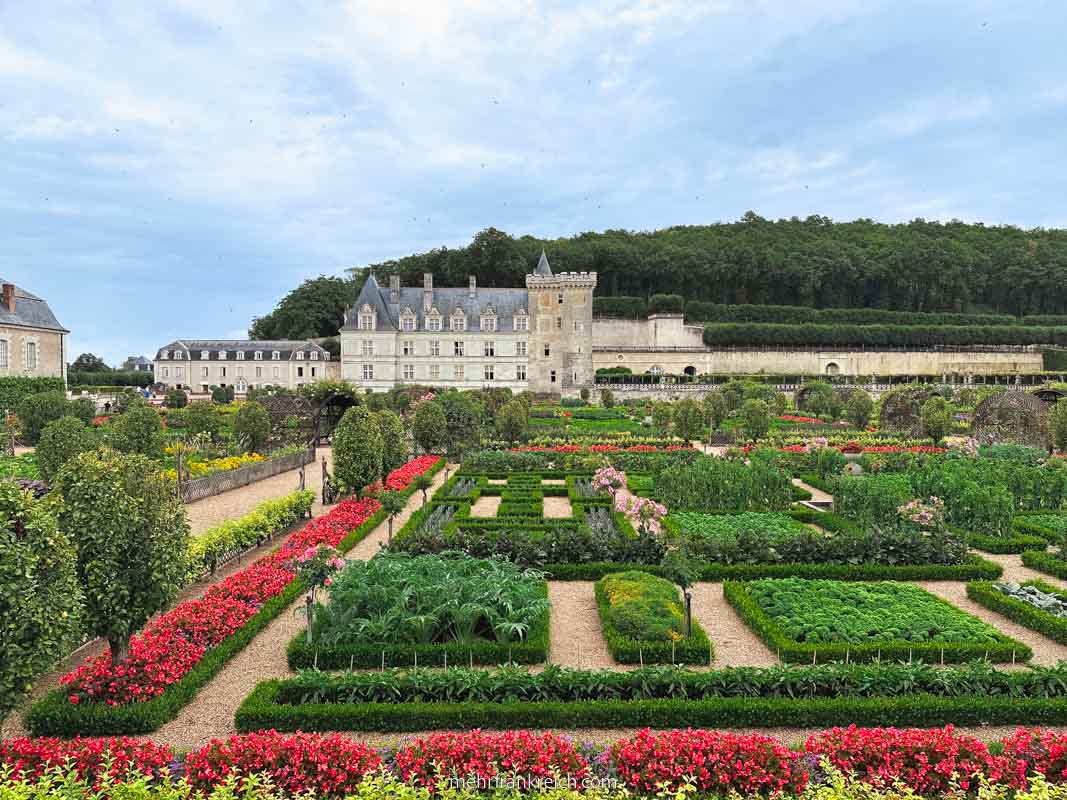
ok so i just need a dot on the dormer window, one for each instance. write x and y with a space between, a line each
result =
299 355
407 319
258 355
458 322
177 355
325 356
165 355
240 355
433 320
275 355
222 355
366 317
522 322
489 319
205 355
314 355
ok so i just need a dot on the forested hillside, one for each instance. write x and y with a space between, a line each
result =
917 266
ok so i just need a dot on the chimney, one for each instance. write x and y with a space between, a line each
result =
473 288
394 288
9 296
427 292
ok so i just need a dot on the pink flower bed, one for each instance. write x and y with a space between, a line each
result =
28 759
922 759
481 756
401 478
320 765
173 643
717 761
803 420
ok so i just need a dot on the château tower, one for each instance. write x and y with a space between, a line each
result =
561 329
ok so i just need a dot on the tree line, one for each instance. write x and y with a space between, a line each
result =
918 266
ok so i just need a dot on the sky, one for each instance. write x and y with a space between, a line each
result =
171 169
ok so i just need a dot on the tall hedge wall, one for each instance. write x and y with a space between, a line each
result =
13 389
760 334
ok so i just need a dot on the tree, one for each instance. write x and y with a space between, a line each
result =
607 398
315 308
755 419
430 427
511 421
935 417
422 482
37 410
392 504
688 420
394 440
138 431
1057 422
662 415
61 440
859 408
130 534
682 568
715 409
222 394
357 449
202 416
40 601
251 426
464 418
87 362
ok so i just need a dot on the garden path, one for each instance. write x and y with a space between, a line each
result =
1046 651
558 508
486 506
211 713
735 643
207 513
817 495
1017 572
575 637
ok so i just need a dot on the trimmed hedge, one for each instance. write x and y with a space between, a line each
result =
260 711
1024 523
794 652
53 715
1046 562
1017 543
13 389
763 335
1027 615
697 311
217 544
693 649
534 650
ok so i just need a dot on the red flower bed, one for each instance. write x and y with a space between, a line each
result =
100 420
400 478
717 761
604 448
173 643
482 756
794 418
28 759
322 765
925 760
1035 750
642 448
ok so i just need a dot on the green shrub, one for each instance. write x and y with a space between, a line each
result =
251 426
715 484
37 410
357 449
430 428
689 421
39 595
755 419
15 388
871 501
138 431
394 440
61 440
176 398
202 416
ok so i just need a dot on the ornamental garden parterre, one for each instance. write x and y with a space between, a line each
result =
620 581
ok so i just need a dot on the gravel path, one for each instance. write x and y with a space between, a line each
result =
1046 651
817 495
1016 571
486 506
575 634
207 513
373 543
735 643
558 508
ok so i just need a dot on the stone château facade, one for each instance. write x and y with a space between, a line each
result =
538 338
32 342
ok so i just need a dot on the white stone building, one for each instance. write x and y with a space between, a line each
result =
199 364
538 338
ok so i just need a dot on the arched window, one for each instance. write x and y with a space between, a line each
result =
833 369
690 371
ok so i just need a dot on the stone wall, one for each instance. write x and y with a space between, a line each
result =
51 355
819 362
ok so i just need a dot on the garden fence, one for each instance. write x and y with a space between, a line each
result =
220 482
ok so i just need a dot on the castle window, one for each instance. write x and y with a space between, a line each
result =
552 376
435 372
367 346
366 318
458 372
409 347
488 323
458 321
520 348
222 355
177 355
409 372
561 298
368 372
165 355
258 355
205 355
275 355
314 355
489 373
240 355
522 323
548 350
299 355
520 372
435 347
433 323
489 349
457 348
559 323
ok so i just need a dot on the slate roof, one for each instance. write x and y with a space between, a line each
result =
286 348
542 268
505 302
30 311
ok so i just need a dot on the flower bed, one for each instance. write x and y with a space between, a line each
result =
805 621
181 649
91 759
644 621
401 478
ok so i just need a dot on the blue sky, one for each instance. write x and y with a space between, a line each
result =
171 169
